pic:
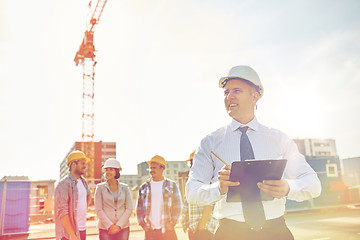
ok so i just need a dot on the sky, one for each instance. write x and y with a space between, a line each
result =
157 72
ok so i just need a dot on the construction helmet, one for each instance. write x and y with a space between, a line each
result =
245 73
76 155
112 163
191 156
157 159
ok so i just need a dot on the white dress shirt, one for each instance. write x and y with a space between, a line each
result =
267 143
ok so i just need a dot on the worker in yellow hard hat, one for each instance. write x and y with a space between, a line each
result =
196 220
76 156
159 203
72 196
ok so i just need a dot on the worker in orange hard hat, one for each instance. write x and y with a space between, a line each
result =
190 160
72 196
196 220
159 203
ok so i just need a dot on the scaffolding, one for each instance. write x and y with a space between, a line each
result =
86 57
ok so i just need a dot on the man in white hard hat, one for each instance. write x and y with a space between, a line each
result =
243 139
72 196
159 203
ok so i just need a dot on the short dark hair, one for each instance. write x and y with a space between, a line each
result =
117 173
71 163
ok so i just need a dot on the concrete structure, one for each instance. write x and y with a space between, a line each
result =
351 171
131 180
351 177
94 173
40 195
316 147
322 156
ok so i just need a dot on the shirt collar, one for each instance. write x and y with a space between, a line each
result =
253 124
108 187
72 177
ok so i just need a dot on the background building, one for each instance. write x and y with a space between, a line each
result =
23 201
131 180
322 156
316 147
103 151
351 171
351 178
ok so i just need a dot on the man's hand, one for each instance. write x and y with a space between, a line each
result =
275 188
65 220
224 183
113 229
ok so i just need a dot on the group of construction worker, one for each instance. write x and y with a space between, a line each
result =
206 211
158 209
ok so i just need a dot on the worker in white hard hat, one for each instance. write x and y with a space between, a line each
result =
113 204
248 216
72 197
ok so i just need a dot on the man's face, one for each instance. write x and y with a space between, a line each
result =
240 99
156 170
80 166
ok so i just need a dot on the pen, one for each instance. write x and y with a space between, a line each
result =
219 158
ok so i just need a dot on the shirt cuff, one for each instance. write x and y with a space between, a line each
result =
293 188
215 192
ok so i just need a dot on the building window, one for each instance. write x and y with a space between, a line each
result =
42 190
175 165
321 144
331 170
322 153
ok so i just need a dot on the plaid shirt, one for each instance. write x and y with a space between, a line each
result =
171 201
191 215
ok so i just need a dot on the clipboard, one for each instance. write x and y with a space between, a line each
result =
249 173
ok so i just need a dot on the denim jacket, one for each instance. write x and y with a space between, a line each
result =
66 196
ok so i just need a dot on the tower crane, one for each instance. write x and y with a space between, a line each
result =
85 56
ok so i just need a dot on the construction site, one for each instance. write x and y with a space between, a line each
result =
27 205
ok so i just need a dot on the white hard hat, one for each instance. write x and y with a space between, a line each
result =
112 163
243 72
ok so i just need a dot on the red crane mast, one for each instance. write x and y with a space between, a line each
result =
85 56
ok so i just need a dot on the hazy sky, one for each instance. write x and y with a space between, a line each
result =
156 81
